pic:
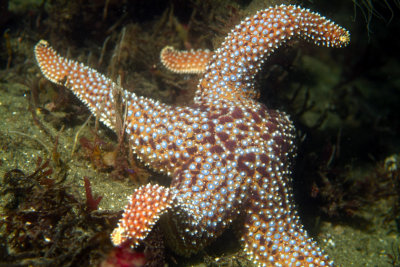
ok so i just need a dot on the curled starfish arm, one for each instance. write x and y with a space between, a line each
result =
232 68
194 61
145 207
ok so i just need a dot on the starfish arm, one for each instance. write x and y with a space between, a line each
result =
93 88
145 207
273 233
159 134
194 61
231 70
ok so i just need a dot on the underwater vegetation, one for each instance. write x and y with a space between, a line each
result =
384 10
45 224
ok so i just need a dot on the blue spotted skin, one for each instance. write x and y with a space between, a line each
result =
228 155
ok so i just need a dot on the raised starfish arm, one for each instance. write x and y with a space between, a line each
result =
239 58
232 68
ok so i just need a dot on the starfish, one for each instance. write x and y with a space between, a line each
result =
228 156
